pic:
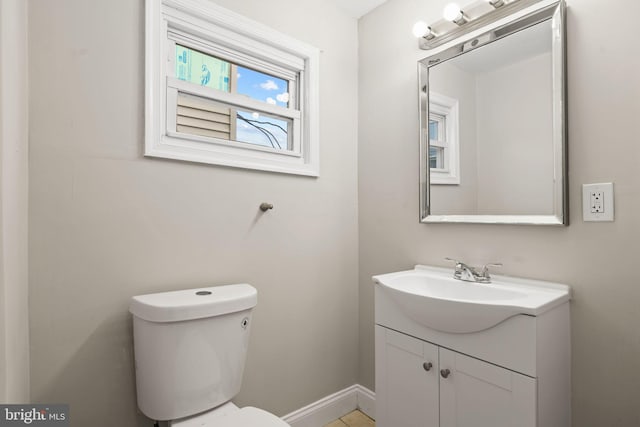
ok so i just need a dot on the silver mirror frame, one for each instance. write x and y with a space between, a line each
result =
556 11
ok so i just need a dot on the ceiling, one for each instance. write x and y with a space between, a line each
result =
357 8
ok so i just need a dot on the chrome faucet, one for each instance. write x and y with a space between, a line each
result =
467 273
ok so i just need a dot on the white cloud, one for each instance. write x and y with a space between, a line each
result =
271 101
269 85
239 75
283 97
255 116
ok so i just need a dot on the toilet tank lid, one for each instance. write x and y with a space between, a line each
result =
194 303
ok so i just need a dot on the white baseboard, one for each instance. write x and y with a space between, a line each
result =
366 401
332 407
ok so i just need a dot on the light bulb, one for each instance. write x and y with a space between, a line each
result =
421 29
452 12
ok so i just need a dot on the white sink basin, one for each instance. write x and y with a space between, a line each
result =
433 298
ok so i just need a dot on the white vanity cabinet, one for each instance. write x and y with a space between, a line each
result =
419 384
515 372
477 393
407 391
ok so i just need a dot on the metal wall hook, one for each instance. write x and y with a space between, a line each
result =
264 206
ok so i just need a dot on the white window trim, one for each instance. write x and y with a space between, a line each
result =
447 107
208 21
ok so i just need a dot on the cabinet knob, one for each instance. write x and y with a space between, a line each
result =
445 373
427 366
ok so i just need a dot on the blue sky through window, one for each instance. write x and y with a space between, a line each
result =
263 87
257 129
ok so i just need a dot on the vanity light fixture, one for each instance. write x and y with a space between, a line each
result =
421 29
453 13
473 16
496 3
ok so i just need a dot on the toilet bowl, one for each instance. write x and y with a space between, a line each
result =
190 350
231 416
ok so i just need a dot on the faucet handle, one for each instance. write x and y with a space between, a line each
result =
462 271
454 260
459 265
485 268
491 264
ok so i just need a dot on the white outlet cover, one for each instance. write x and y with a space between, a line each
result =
606 188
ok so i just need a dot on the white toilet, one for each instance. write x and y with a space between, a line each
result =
190 350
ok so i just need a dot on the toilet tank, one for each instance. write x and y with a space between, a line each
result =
190 348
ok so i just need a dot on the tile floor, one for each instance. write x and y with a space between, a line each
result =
353 419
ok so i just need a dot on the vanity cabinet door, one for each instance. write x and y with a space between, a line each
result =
474 393
406 381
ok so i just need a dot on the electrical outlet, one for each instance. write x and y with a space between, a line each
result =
597 202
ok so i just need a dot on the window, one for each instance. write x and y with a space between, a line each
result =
222 89
444 153
437 141
212 116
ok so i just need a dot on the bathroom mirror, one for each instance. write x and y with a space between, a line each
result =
493 124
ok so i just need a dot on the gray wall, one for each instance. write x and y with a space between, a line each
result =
107 223
597 260
515 146
14 188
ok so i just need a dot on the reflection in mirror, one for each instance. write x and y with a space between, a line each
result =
493 125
